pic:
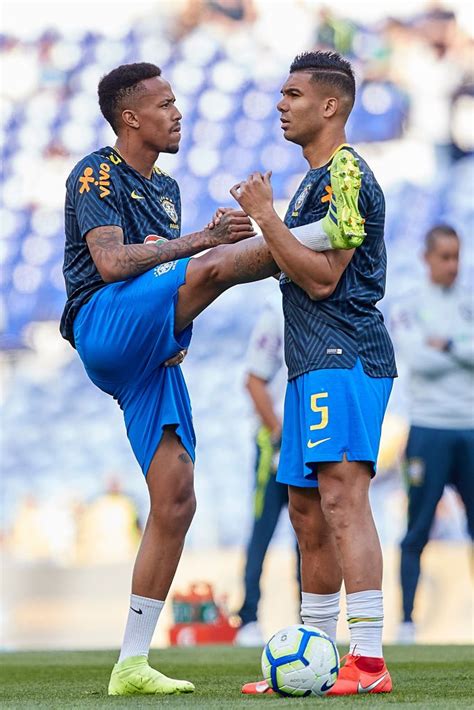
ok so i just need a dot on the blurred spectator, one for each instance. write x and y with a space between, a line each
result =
334 32
229 11
224 13
109 529
431 69
433 332
462 112
438 27
266 384
44 530
27 539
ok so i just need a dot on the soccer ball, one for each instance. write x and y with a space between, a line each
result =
299 661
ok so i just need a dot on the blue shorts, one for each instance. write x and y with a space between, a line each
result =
330 414
123 336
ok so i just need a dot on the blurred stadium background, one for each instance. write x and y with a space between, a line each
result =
72 496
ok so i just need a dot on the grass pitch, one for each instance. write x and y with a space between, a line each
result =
424 677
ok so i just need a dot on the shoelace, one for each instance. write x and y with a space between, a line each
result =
349 659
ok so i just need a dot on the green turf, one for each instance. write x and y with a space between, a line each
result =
424 677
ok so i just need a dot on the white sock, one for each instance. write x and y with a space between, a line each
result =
321 610
365 619
143 616
312 236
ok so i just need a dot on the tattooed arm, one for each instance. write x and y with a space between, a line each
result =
116 261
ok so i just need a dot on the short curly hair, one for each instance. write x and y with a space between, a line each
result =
328 68
122 82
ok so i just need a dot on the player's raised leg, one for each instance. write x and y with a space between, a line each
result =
251 260
172 506
220 268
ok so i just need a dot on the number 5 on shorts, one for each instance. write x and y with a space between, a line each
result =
322 409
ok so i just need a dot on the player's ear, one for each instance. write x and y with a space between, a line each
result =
331 106
130 118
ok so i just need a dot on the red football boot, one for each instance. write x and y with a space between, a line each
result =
352 680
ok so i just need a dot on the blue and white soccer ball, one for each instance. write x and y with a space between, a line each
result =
299 661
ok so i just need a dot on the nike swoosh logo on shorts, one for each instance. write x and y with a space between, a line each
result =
312 444
368 688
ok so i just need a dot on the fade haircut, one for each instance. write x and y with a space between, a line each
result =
439 230
121 83
328 68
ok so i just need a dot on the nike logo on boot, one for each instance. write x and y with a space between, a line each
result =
368 688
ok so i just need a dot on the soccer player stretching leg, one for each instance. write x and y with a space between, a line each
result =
340 361
132 296
133 293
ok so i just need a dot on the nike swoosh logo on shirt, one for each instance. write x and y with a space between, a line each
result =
368 688
312 444
136 196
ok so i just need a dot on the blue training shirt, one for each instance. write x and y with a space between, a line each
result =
104 190
334 332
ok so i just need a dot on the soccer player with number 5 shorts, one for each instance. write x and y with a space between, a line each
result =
340 362
133 293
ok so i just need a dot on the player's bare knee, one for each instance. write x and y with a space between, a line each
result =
176 515
184 512
183 509
337 509
175 511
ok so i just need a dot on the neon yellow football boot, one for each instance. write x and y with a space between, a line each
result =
343 222
134 676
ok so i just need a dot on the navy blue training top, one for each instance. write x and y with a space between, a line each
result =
333 332
102 190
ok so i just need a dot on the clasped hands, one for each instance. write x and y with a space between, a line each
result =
254 195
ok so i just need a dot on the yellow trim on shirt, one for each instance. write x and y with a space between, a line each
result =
343 145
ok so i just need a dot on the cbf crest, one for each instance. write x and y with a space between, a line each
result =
162 269
301 199
168 206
